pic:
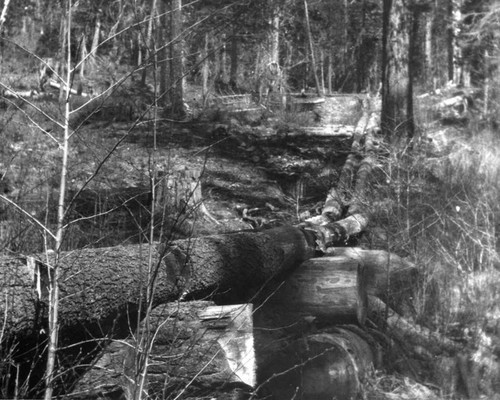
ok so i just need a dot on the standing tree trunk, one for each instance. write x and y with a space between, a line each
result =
274 45
95 43
394 69
162 52
322 69
330 73
269 51
54 275
233 73
345 57
205 69
149 41
83 56
412 60
223 63
449 40
311 50
429 65
176 60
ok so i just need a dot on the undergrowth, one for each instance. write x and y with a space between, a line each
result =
436 202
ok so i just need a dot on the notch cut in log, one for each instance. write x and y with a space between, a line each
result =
197 349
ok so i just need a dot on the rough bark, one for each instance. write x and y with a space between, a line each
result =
196 349
19 306
394 68
176 60
102 288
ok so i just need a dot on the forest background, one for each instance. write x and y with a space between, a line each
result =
80 80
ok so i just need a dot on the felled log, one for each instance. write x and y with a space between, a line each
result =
334 232
57 85
406 331
325 365
337 195
330 233
365 170
328 288
19 93
325 130
103 287
184 349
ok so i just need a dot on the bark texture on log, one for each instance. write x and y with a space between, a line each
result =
19 306
194 349
100 285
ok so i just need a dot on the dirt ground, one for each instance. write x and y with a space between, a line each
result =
257 170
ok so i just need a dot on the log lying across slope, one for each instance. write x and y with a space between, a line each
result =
99 285
334 288
345 199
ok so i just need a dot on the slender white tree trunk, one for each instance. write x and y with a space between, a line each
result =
311 50
53 329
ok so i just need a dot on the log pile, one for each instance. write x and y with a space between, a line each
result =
311 332
191 349
220 349
344 213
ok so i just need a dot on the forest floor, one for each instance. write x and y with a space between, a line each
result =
259 170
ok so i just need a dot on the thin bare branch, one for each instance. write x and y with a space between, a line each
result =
28 215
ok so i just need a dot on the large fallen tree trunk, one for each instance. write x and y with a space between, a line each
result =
100 285
328 288
185 349
325 365
336 197
327 226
